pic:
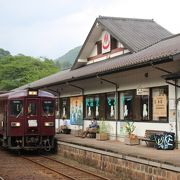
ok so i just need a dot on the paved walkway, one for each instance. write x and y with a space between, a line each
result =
169 157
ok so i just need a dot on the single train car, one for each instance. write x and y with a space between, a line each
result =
27 120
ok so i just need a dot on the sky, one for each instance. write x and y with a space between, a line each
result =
50 28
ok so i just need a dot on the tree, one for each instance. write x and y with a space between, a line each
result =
4 53
20 70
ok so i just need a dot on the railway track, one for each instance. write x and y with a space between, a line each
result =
63 169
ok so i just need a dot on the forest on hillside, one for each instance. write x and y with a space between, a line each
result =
19 70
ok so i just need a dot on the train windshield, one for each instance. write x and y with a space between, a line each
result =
48 108
16 107
32 108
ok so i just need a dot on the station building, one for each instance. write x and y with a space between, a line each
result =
127 70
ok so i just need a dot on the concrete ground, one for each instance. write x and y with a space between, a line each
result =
167 157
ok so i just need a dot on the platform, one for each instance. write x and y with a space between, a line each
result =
141 152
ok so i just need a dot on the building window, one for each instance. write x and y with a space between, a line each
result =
160 104
16 107
133 106
113 43
152 107
92 106
99 47
126 105
110 106
65 108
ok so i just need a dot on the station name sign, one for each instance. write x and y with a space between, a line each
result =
142 91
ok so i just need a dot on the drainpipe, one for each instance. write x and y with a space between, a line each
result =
116 97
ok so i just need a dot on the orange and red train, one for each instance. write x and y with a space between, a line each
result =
27 120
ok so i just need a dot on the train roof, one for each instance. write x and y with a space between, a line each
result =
24 93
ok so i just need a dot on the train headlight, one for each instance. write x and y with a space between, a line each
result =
15 124
49 124
33 92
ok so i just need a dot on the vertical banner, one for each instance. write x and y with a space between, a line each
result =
106 42
160 106
76 110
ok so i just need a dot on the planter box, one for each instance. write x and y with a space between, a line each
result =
131 141
102 136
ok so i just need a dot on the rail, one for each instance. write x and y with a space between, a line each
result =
64 169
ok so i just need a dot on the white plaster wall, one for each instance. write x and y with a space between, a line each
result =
94 51
132 79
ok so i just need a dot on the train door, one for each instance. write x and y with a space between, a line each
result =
32 126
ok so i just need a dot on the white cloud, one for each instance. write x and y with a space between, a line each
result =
51 28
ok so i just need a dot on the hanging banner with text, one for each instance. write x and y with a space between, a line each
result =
160 106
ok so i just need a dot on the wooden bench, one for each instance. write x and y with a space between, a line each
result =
66 131
92 133
149 137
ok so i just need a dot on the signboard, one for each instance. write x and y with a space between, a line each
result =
142 91
106 42
160 106
76 110
32 123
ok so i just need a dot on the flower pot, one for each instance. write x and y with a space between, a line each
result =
102 136
131 140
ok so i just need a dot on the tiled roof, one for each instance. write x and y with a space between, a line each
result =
163 49
136 34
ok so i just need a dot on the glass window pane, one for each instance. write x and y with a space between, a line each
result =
32 108
111 106
16 107
97 107
92 106
65 108
89 106
134 107
48 108
128 108
145 107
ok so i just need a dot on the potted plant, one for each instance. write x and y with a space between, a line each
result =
102 133
131 139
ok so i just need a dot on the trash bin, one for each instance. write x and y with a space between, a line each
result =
165 141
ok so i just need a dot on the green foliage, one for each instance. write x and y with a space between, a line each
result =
130 127
67 60
19 70
103 128
4 53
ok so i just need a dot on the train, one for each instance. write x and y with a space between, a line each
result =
27 120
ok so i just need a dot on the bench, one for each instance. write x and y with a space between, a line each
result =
63 131
149 137
92 132
66 131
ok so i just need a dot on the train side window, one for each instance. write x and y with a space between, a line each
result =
48 108
32 109
16 107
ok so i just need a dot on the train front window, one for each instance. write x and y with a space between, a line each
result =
48 108
32 109
16 107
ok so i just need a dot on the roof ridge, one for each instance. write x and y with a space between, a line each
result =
123 18
169 37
